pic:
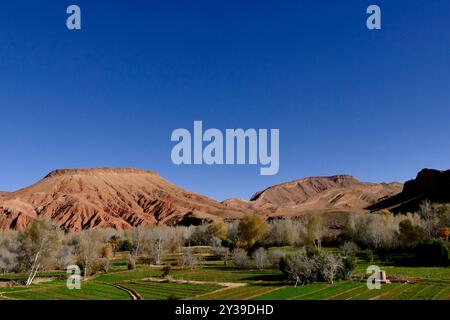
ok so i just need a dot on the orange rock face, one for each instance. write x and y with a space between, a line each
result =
77 199
341 193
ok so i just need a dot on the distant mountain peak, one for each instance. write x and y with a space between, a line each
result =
93 171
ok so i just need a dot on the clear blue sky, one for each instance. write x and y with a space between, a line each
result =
375 104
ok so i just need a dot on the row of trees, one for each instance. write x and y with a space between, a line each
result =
42 246
385 231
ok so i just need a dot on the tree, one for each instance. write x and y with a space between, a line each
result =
223 253
157 242
115 244
315 230
239 257
215 242
8 251
348 265
430 219
38 245
8 260
89 249
64 256
444 233
410 235
329 265
252 228
349 249
276 256
260 257
300 267
218 230
137 237
107 255
284 232
189 260
131 263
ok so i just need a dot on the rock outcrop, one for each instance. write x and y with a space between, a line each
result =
430 184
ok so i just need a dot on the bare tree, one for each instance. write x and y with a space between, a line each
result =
38 245
157 242
301 268
329 266
284 232
89 249
9 247
137 237
276 256
315 230
223 253
260 257
8 260
189 260
65 256
349 249
240 257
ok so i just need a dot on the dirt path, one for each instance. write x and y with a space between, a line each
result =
133 294
223 284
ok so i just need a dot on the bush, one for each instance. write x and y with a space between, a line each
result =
433 252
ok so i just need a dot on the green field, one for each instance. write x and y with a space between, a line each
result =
218 282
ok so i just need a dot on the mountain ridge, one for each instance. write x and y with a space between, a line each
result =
120 198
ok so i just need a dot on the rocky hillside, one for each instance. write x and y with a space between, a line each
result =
119 198
340 193
433 185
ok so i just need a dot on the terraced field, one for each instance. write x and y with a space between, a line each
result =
148 290
90 291
215 281
355 290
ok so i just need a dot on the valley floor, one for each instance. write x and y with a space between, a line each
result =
218 282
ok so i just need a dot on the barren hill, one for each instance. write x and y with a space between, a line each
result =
78 199
430 184
338 194
119 198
